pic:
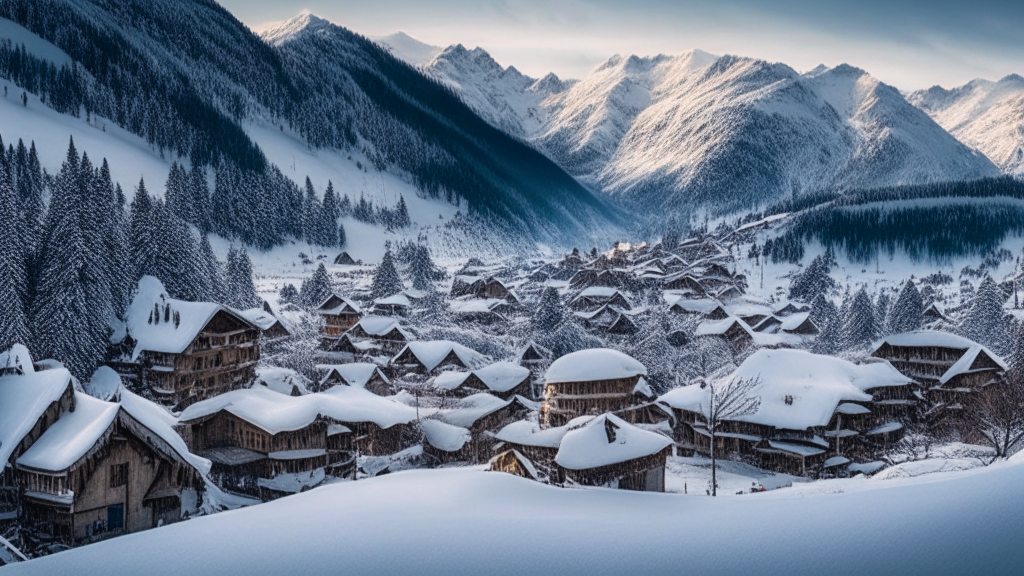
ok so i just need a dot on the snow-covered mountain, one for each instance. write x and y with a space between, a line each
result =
983 114
407 48
725 132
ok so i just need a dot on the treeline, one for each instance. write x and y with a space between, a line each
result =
860 224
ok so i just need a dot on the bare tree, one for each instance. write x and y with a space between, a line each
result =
998 414
727 399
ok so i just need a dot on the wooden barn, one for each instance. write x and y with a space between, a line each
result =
177 352
608 451
590 382
444 443
104 469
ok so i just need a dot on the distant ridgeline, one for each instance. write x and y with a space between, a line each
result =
185 75
934 222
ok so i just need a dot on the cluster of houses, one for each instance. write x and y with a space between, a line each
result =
184 414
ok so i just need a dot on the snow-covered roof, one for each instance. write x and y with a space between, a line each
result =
432 352
23 399
261 318
354 374
598 292
445 436
935 338
593 364
380 326
748 309
590 447
793 321
529 433
162 423
816 385
530 468
472 408
798 449
71 436
502 376
477 305
450 380
105 384
400 300
720 327
159 323
276 413
17 358
340 303
852 409
281 380
699 305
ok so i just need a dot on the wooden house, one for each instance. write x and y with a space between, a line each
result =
799 323
608 451
707 308
790 308
589 382
683 281
935 313
339 315
486 287
612 278
106 469
597 296
30 402
394 305
358 374
178 352
444 443
271 327
513 462
731 329
387 333
431 357
344 259
502 379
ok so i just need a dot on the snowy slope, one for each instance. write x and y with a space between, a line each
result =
470 522
983 114
407 48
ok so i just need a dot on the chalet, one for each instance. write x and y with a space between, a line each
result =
15 361
707 308
935 313
360 375
431 356
750 313
346 348
790 308
480 309
502 379
950 367
339 315
538 444
178 352
727 292
799 323
694 250
683 281
269 325
281 380
534 357
589 382
255 436
104 469
608 451
444 443
30 402
397 304
484 412
344 259
612 278
623 325
486 287
597 296
811 408
386 332
609 319
731 329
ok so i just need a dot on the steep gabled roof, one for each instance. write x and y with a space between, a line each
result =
23 399
607 440
335 304
432 352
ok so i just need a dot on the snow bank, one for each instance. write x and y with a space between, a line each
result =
589 446
593 364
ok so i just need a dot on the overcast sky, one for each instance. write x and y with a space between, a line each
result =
910 44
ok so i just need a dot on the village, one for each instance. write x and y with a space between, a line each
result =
592 370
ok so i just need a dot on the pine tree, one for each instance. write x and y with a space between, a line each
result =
342 237
882 306
983 321
95 209
386 281
178 194
906 313
402 219
140 232
13 319
316 289
329 214
421 268
241 290
62 315
550 312
199 192
860 327
211 273
1016 358
823 311
175 255
812 281
311 215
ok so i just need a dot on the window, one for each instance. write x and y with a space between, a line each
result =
115 516
118 475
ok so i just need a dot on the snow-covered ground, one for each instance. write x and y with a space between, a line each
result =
458 521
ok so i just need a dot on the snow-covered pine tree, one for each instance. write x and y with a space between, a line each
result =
402 219
421 268
550 312
1016 357
211 273
140 233
823 311
62 314
906 312
28 177
859 327
175 259
95 209
311 215
386 280
345 207
115 240
983 321
329 214
241 288
342 237
812 281
316 288
13 319
178 193
882 306
288 294
199 193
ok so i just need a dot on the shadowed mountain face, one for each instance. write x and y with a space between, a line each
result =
188 76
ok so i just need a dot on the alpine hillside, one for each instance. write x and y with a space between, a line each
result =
983 114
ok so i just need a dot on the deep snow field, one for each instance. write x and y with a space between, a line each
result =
466 521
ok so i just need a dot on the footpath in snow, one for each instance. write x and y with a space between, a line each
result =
461 521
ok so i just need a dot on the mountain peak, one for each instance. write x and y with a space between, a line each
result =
406 48
278 33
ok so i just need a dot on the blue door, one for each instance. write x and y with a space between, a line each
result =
115 517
